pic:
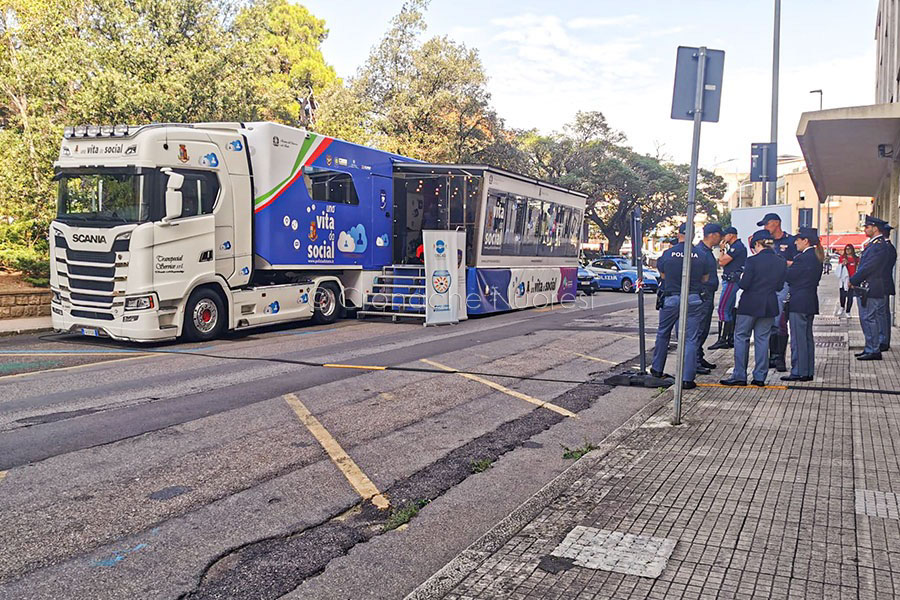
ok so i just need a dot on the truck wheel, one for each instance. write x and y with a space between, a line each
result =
326 305
627 285
204 316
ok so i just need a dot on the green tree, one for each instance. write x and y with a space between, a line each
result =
139 61
591 157
427 100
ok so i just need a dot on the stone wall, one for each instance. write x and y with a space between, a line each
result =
24 303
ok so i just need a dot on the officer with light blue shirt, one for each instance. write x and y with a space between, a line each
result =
670 271
869 283
783 245
764 274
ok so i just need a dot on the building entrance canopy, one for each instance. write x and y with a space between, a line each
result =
841 147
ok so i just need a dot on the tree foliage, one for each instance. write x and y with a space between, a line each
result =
138 61
590 157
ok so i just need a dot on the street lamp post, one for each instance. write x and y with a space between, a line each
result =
776 46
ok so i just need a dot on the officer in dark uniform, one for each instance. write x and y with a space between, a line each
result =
869 283
783 245
732 263
712 235
884 337
672 261
763 276
803 276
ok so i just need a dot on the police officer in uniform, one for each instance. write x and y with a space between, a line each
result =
732 261
783 245
763 276
803 276
884 338
869 283
712 235
672 261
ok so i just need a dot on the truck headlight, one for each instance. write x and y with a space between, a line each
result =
56 298
139 303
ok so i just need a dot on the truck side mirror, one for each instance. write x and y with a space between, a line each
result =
173 195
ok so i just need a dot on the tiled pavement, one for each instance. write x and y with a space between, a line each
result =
764 494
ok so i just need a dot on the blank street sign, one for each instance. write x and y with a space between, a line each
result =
763 162
686 84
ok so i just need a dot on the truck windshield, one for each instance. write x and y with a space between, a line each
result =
105 196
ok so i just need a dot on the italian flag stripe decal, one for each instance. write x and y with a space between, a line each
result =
313 146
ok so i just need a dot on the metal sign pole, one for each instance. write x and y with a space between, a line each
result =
689 234
637 239
776 48
765 174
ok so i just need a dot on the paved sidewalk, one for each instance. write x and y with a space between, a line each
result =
762 493
24 325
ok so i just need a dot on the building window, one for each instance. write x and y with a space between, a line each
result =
804 217
802 196
830 222
862 220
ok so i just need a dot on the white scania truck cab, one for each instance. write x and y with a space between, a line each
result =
155 231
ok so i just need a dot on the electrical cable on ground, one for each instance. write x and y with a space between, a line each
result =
305 363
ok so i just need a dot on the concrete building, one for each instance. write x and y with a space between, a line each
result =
854 151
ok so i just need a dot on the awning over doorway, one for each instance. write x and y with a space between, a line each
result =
837 241
840 146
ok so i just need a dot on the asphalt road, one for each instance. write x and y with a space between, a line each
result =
238 469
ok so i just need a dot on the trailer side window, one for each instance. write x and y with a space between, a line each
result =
198 192
325 185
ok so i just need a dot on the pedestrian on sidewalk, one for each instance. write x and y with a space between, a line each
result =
869 284
803 276
712 235
848 263
734 255
884 337
672 260
783 245
764 275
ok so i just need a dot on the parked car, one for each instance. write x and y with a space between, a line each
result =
624 262
587 281
612 276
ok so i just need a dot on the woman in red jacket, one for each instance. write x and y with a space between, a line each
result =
848 263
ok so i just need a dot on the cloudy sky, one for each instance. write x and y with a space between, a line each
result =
547 60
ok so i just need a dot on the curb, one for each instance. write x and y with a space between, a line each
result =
449 576
13 332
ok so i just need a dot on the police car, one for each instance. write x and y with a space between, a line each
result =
588 282
616 273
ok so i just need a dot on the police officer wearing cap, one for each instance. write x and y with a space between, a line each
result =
869 283
672 261
712 235
803 277
884 330
732 261
783 246
763 276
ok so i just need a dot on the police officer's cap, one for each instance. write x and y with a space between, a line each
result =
811 234
759 236
769 217
711 228
682 228
729 230
879 223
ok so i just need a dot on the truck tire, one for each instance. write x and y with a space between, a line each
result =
204 316
326 303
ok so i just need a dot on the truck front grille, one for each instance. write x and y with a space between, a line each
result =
91 285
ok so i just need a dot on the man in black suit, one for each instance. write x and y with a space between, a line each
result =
803 278
764 275
870 278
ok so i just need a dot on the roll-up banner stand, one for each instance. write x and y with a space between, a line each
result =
441 277
461 311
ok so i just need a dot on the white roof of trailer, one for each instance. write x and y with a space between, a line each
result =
428 167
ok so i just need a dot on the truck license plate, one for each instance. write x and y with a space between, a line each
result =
92 332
